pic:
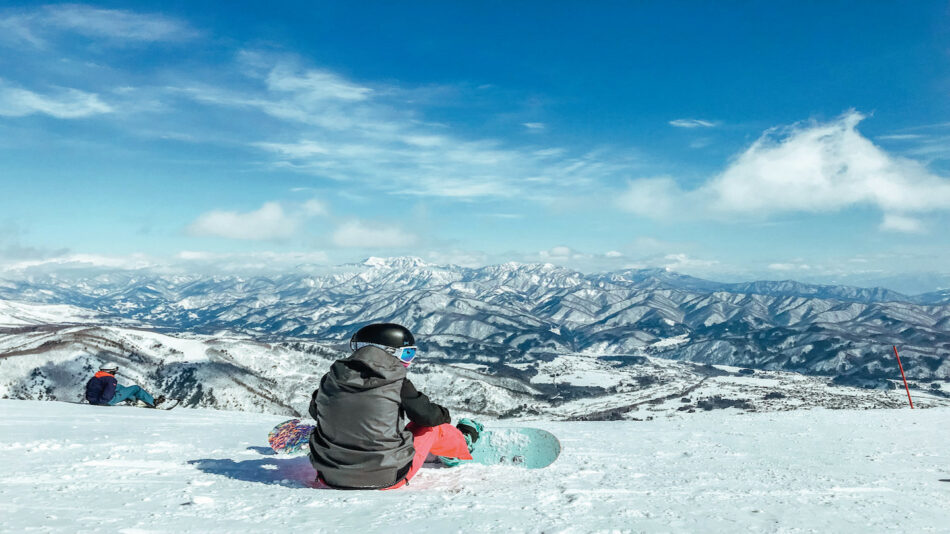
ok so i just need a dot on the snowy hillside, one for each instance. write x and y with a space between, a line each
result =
233 372
24 313
69 468
506 311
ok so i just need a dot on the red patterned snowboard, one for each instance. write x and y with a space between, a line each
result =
290 437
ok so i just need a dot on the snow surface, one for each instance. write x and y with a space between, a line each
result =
69 467
14 313
671 341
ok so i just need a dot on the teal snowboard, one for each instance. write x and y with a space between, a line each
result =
531 448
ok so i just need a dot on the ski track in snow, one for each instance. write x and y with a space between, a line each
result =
68 468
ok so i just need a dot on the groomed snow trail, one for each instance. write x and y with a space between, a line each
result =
70 468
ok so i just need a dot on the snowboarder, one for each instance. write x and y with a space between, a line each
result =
104 390
360 441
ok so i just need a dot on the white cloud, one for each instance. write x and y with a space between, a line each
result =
692 123
789 266
267 223
901 223
682 262
186 262
314 207
534 125
62 104
656 198
613 254
272 221
75 261
559 252
804 168
825 167
363 234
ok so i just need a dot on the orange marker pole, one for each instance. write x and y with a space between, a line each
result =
904 377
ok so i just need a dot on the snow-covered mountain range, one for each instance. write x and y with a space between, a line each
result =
505 311
504 340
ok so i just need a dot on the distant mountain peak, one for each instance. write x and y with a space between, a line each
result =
399 262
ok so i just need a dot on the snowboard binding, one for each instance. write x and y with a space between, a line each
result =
471 429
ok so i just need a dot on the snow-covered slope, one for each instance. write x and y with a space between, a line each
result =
14 313
222 371
73 468
227 371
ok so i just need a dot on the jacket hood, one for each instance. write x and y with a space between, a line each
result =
367 368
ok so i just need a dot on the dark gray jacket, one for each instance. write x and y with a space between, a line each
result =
360 440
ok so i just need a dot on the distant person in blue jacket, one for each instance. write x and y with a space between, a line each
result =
104 390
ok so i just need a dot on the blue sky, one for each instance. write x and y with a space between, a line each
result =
771 140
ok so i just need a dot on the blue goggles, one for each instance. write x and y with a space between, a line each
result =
405 354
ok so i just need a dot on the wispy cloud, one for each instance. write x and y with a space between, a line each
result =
62 103
504 215
315 85
252 260
692 123
37 26
803 168
294 115
344 130
930 148
900 137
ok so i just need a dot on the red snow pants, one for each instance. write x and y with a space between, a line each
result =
442 440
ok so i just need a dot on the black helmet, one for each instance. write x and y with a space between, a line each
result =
387 334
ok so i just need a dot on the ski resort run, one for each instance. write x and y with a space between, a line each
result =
74 468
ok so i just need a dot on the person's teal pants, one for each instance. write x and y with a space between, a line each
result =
134 393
